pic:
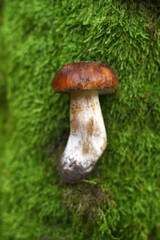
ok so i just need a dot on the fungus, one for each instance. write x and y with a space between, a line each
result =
88 138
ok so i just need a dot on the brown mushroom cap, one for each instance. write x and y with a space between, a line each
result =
85 76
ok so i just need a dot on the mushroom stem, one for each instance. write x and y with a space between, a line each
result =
87 140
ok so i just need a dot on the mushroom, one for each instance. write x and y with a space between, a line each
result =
88 139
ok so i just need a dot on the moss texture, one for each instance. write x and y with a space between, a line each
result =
121 198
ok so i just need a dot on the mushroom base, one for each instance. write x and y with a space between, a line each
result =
87 140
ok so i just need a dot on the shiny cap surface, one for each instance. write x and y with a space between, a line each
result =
85 76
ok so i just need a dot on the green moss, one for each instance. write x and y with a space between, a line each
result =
120 199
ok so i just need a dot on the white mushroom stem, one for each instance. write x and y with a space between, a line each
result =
87 140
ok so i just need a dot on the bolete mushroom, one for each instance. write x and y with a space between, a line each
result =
88 139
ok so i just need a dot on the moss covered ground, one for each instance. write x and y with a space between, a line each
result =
121 197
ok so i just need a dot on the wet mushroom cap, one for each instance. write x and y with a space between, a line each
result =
84 76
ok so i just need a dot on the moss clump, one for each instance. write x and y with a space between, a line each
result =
120 199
